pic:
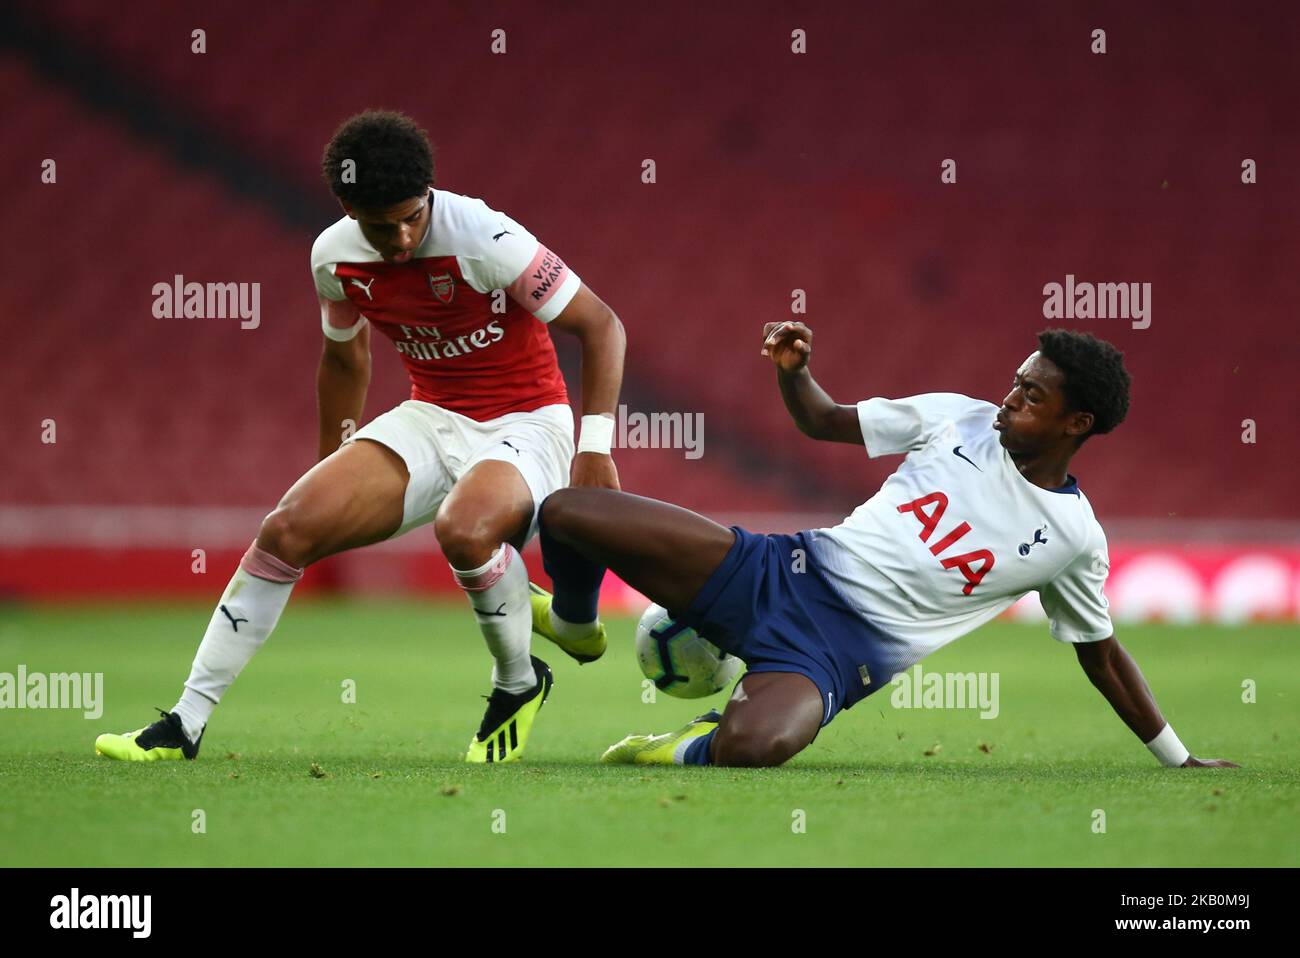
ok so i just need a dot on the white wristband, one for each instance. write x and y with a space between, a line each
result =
597 434
1167 748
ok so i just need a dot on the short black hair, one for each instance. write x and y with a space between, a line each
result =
1095 378
392 159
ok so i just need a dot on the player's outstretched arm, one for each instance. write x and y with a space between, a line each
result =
1113 671
789 346
603 345
341 384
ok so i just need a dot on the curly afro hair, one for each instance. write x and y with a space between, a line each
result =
1095 378
392 160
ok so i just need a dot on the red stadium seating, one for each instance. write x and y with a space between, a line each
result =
774 172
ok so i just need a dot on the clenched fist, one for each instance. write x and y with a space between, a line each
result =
789 345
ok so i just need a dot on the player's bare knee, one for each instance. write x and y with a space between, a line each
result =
784 746
558 511
288 538
467 541
572 515
747 748
746 753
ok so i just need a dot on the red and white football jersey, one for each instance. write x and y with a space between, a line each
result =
463 312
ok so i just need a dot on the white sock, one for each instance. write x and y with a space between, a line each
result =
248 611
498 592
571 630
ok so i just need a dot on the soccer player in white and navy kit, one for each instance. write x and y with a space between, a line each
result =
981 512
466 296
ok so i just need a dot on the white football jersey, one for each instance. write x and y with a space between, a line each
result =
957 534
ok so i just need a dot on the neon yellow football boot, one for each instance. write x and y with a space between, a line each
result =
509 719
660 749
586 649
164 740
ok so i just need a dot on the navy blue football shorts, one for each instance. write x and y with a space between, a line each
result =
770 605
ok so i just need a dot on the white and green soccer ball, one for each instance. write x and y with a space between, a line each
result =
679 660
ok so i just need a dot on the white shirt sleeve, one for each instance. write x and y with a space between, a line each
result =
506 256
340 319
891 426
328 286
1075 602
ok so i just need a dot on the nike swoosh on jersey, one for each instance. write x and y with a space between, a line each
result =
956 451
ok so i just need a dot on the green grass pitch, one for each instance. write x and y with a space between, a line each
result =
1021 789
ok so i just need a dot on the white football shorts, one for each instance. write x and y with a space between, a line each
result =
439 446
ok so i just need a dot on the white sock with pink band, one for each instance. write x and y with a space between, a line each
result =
248 611
498 592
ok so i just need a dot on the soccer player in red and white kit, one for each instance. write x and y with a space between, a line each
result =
465 294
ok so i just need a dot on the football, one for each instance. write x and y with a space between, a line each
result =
679 660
